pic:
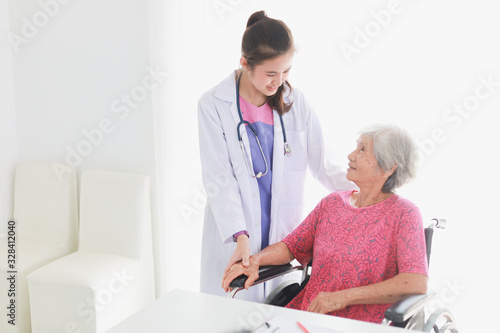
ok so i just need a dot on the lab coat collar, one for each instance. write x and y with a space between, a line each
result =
226 90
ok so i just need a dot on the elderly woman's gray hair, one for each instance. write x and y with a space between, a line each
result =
393 146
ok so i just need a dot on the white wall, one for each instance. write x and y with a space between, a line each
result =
82 85
80 63
8 138
417 69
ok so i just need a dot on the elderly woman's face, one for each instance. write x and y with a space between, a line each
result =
363 165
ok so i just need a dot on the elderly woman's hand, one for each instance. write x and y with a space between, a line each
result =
328 302
388 291
252 271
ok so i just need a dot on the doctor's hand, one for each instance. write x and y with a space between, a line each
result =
251 270
241 253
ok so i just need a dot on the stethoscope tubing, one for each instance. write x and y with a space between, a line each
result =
286 148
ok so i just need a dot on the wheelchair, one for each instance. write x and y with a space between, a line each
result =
408 313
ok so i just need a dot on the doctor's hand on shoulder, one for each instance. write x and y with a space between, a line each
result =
241 253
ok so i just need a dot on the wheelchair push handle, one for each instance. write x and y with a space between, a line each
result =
438 223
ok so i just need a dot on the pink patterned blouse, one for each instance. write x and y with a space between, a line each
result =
354 247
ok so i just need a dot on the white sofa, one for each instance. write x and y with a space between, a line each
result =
45 227
111 276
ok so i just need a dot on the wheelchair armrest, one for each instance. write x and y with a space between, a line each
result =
265 273
407 307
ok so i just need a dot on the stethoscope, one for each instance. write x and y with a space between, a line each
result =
286 146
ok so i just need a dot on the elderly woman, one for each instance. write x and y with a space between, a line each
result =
367 246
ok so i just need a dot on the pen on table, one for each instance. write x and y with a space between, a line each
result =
302 327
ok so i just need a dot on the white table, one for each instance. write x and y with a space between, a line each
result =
191 312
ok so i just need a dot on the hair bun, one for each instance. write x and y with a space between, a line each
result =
256 17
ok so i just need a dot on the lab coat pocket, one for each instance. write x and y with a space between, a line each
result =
298 158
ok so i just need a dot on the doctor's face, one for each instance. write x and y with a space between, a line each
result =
269 75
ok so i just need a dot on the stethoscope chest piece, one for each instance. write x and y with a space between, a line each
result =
288 150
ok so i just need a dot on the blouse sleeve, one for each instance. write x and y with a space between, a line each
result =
300 242
411 250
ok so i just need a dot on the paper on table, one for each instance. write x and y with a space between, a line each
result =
282 325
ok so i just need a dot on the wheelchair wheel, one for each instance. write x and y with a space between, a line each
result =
449 328
416 322
283 294
441 321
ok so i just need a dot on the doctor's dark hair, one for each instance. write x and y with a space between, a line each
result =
266 38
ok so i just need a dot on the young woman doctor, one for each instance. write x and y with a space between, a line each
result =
257 138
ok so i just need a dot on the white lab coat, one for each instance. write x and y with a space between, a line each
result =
233 202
